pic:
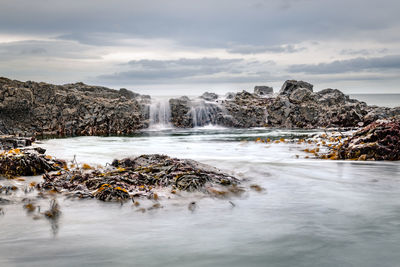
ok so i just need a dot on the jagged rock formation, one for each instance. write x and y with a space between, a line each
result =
296 106
30 108
379 140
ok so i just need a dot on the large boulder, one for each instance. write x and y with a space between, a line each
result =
209 96
180 112
290 85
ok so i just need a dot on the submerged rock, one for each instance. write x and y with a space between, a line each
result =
378 141
131 177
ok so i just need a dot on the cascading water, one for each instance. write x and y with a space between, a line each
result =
160 114
206 113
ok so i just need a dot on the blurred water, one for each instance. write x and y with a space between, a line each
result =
313 212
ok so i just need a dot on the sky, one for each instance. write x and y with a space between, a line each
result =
171 47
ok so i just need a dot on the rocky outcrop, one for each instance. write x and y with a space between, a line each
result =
180 112
379 140
141 176
291 85
8 142
30 108
77 109
263 90
209 96
25 162
296 106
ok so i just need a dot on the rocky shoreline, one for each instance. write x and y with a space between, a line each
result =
296 105
46 110
41 109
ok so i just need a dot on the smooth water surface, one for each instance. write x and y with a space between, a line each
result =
312 213
383 100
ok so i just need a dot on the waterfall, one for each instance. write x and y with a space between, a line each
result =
205 113
160 114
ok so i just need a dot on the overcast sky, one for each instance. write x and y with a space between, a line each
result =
187 46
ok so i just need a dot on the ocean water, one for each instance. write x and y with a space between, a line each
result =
311 213
384 100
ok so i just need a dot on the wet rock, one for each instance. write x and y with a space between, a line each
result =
108 193
290 85
25 162
134 177
299 95
209 96
263 90
128 94
180 112
8 142
41 109
379 140
230 95
4 201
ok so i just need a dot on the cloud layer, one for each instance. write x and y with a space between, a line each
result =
138 42
359 64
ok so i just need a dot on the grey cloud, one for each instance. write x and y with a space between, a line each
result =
251 49
34 51
186 70
363 52
351 65
48 49
206 23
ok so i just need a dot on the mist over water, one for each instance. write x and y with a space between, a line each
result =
312 213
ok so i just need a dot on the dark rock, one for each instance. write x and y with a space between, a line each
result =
290 85
8 142
43 109
139 176
128 94
299 95
263 90
379 140
209 96
25 162
230 95
180 112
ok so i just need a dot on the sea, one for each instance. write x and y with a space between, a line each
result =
311 212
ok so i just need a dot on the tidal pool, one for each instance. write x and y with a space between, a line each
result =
312 213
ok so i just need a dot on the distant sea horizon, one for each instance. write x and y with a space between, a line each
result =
383 100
